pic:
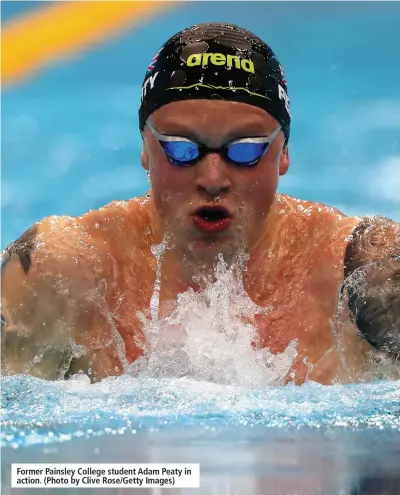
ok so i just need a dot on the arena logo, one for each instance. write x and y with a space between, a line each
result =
220 59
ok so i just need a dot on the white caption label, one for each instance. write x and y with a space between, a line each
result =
105 475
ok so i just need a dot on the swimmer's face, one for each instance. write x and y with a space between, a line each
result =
183 194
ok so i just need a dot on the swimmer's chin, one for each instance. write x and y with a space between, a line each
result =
196 246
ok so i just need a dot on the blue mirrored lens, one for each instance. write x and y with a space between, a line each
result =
181 151
246 152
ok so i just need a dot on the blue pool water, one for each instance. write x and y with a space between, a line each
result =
297 440
70 140
70 143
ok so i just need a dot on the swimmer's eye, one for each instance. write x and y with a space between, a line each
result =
181 151
243 152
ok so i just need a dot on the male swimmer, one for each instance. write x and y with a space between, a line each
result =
214 117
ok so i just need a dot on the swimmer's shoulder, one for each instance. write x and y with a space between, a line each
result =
68 245
318 228
55 246
122 222
317 219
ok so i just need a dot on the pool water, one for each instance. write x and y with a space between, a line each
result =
70 139
309 439
70 143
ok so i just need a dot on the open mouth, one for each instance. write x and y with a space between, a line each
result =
212 219
212 213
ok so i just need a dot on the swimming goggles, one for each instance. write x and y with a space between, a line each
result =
244 152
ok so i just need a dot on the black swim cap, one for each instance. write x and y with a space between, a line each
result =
216 61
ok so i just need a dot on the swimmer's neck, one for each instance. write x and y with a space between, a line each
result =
179 275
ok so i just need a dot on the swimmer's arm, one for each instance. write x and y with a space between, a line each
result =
372 283
47 280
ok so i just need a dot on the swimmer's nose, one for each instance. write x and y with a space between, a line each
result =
212 175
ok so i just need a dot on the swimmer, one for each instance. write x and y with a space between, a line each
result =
215 120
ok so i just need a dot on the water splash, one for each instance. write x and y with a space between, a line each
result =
211 335
157 250
374 365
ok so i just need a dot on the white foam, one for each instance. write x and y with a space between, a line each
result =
210 336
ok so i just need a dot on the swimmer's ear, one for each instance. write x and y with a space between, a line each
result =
284 161
144 158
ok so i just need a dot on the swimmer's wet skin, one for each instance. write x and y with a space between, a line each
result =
215 122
